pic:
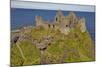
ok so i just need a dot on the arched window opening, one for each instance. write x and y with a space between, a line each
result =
53 26
66 25
56 19
49 25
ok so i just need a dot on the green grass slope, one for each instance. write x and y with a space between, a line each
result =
74 47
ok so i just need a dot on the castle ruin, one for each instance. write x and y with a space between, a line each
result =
61 22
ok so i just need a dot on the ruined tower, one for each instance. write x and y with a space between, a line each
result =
59 17
38 20
72 19
81 22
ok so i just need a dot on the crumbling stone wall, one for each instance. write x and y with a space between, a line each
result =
63 23
82 24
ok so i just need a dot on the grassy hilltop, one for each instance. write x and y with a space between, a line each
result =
56 47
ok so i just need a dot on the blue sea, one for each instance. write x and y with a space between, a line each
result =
26 17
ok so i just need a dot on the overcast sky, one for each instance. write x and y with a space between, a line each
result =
51 6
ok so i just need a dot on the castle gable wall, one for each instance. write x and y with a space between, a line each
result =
61 22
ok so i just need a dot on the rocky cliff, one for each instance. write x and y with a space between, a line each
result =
37 45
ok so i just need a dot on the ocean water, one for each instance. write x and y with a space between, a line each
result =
26 17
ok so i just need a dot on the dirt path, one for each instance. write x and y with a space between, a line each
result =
20 50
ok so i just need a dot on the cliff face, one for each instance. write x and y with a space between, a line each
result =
59 42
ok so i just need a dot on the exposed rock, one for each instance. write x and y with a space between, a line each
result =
65 30
15 39
41 46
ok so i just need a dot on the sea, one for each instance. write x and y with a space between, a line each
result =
26 17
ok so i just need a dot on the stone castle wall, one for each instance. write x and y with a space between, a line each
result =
61 22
